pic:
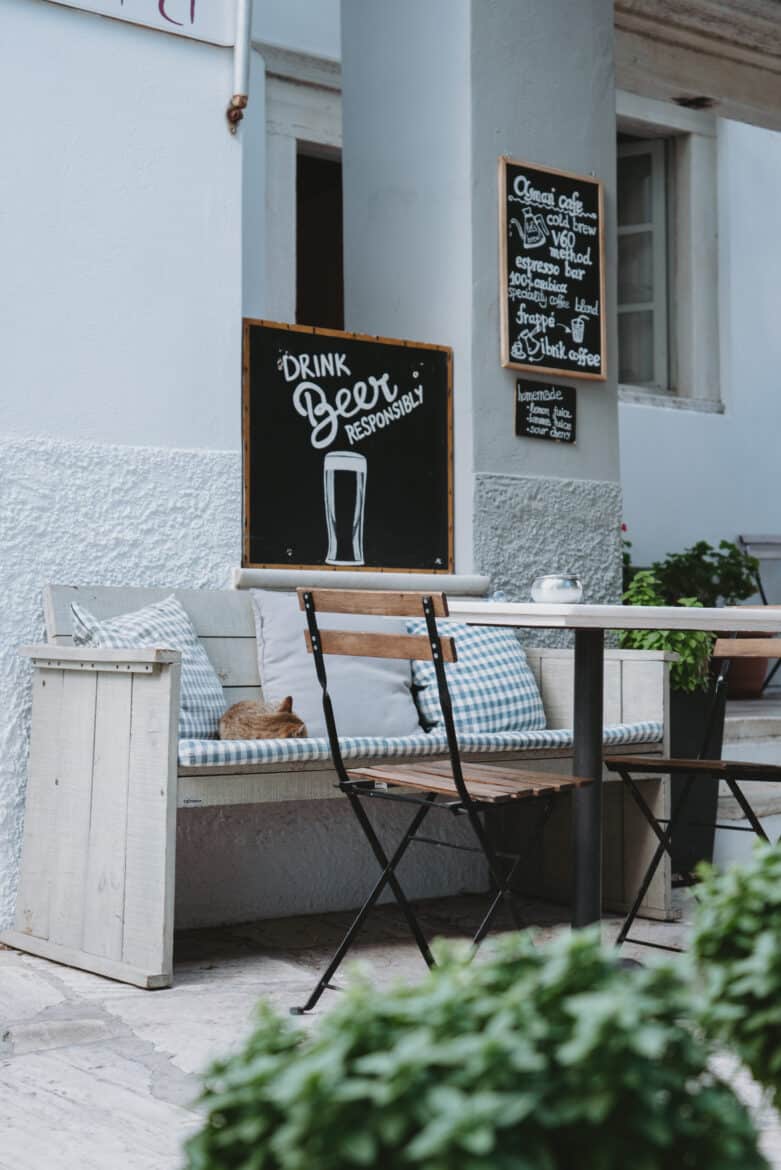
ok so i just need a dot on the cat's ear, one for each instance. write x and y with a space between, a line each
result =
286 704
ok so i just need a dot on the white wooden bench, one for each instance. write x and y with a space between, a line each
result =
96 883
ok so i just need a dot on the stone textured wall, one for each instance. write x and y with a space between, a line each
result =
243 863
529 525
82 513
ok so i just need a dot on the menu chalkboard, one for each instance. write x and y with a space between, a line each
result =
545 412
552 277
347 451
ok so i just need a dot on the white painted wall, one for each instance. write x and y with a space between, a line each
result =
309 26
562 117
688 475
433 94
120 212
407 209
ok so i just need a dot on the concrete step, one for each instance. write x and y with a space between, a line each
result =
753 719
752 731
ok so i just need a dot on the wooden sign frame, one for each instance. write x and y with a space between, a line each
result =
533 368
247 323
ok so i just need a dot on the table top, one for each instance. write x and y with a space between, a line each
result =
729 619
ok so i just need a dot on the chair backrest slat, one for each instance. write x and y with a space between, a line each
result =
357 644
375 602
747 648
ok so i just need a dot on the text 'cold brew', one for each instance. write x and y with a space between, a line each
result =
347 448
552 299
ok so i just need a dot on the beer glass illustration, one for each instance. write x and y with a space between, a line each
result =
344 486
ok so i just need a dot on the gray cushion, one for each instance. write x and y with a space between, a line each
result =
371 696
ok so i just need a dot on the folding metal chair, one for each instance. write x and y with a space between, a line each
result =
732 772
460 789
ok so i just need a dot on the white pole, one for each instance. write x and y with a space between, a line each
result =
241 59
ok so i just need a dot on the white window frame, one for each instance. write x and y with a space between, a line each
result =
655 149
303 115
694 357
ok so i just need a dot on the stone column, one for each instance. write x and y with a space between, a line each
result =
434 93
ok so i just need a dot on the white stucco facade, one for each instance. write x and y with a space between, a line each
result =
132 233
689 475
135 232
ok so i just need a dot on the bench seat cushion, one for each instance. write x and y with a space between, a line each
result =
207 753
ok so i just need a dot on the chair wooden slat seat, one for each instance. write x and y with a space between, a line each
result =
485 784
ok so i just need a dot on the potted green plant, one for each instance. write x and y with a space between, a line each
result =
716 576
736 949
538 1058
706 576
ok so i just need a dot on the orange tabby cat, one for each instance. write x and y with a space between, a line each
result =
254 719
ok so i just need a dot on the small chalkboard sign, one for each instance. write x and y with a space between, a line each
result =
347 451
552 271
545 412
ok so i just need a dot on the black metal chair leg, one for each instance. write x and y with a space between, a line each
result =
493 867
748 811
392 880
664 846
506 891
385 878
641 803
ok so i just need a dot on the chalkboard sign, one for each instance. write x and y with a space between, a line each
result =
552 276
347 449
545 412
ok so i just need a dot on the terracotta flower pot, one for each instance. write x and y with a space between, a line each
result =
746 675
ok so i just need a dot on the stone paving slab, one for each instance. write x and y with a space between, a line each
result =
96 1074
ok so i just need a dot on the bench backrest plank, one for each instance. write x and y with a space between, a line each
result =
222 618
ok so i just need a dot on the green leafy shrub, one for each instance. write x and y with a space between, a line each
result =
545 1058
737 951
693 647
710 575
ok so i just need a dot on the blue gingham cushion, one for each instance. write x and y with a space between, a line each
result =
492 687
164 624
204 753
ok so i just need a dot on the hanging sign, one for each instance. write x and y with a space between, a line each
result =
545 412
201 20
347 451
552 271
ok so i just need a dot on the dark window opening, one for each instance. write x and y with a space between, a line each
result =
319 274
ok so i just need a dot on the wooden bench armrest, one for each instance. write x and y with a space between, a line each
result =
96 880
144 659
